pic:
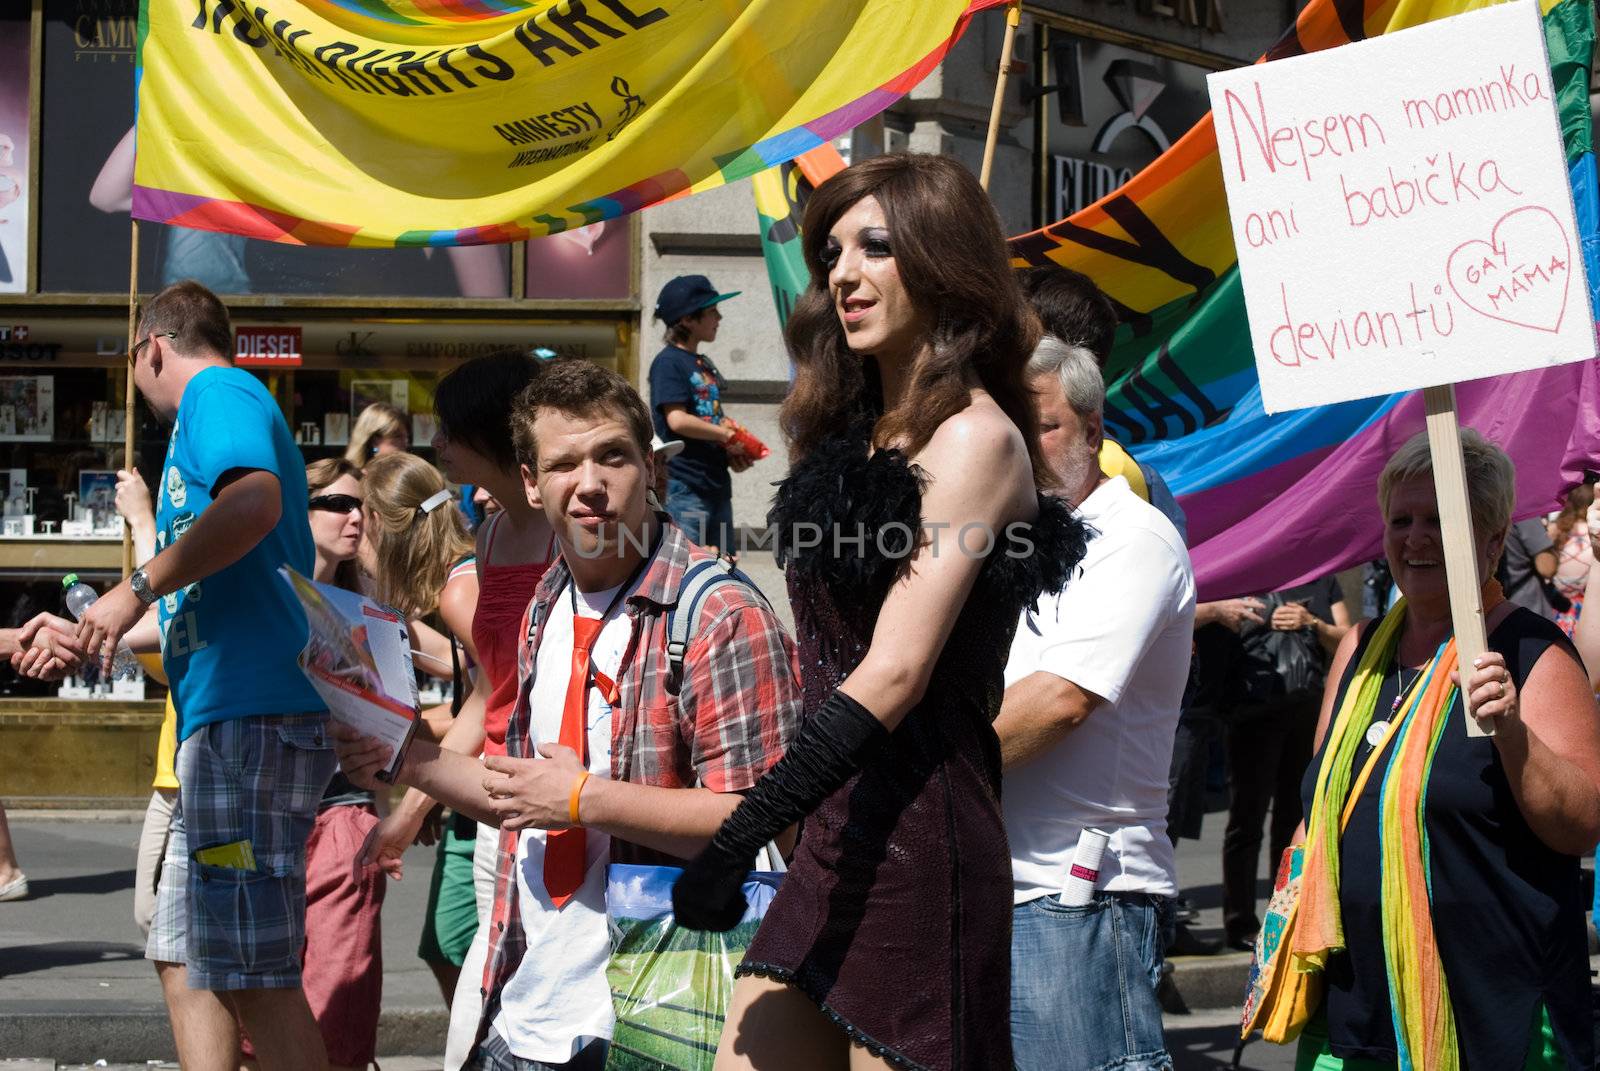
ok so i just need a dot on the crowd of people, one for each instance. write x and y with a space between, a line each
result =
998 659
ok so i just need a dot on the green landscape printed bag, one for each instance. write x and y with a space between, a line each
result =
670 986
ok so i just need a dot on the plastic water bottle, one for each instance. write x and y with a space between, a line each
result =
80 596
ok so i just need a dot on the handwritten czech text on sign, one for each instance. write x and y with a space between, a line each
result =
1401 211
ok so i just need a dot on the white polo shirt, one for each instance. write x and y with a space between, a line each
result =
1123 629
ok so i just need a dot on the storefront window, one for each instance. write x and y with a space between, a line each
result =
591 263
1112 111
86 160
15 102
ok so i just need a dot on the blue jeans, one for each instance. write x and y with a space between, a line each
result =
704 519
1083 984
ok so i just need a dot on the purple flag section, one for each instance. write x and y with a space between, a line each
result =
1280 522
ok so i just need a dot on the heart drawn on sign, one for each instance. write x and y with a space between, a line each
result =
1520 275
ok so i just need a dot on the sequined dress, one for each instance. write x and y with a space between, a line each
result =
895 916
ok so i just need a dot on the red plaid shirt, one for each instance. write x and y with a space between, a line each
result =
736 709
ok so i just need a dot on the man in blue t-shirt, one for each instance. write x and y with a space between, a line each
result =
686 405
253 757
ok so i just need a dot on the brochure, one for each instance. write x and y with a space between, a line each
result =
358 658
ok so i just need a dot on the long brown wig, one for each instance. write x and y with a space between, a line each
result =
947 245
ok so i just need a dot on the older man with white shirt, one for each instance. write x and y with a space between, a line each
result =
1093 689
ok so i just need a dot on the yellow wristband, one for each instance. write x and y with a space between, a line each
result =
572 801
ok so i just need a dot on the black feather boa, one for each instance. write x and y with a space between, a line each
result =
843 487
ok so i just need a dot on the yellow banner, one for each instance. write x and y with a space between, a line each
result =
460 122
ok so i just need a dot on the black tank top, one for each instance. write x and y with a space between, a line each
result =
1508 911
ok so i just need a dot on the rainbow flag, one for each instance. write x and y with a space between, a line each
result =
1273 501
465 122
780 195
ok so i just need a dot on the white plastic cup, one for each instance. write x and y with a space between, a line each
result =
1084 874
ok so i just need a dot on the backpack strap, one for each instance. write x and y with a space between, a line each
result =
699 581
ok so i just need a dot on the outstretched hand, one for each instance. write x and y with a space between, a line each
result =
50 648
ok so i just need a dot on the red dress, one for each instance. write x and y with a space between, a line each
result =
504 592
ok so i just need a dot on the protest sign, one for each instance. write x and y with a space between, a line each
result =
1403 220
1401 211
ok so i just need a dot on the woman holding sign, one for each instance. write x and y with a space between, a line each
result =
1447 915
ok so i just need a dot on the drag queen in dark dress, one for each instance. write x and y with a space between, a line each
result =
913 530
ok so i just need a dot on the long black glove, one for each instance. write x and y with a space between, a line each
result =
830 748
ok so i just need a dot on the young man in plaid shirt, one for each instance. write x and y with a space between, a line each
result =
627 770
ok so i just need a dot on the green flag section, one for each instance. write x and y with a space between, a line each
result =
781 194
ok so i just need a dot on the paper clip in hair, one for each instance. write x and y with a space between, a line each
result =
434 501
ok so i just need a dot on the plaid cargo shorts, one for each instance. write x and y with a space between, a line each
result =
254 779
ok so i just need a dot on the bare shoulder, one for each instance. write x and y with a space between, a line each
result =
977 458
981 434
1347 644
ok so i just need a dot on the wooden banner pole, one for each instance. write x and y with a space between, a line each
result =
127 403
1013 20
1460 547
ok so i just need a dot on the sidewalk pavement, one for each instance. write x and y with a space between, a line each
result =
74 986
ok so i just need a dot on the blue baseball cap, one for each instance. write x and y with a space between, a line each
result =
686 295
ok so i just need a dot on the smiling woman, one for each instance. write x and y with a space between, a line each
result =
1448 913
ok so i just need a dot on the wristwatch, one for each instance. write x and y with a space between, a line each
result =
140 583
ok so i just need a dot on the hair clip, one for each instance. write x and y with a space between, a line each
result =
434 501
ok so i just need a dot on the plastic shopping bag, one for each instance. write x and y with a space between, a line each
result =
670 985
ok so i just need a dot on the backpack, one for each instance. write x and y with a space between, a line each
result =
699 581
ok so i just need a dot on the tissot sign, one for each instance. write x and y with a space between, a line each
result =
1134 105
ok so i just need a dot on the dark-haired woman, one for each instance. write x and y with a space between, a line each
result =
892 929
515 546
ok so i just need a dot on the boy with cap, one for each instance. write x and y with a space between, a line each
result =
686 407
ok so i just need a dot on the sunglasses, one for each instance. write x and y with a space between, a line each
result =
133 354
335 503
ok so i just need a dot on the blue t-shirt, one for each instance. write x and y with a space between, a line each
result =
678 377
230 642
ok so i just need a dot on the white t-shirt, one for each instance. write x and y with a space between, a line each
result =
1123 629
558 1000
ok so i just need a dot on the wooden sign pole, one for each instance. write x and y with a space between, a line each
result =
127 403
1013 20
1460 547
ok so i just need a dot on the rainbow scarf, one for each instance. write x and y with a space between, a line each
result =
1419 996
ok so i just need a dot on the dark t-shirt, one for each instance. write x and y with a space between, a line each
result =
678 377
1276 666
1507 912
1526 541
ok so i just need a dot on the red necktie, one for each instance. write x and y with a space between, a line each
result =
564 848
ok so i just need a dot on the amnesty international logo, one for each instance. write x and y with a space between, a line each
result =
632 105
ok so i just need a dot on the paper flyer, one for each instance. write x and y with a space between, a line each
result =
358 658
